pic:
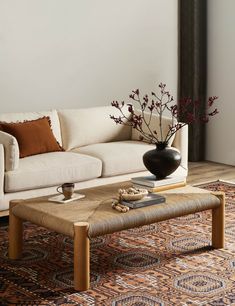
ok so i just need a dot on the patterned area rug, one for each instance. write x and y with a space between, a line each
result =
169 263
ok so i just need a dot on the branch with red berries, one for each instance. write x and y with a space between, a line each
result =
158 104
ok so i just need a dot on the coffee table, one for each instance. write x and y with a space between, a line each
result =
93 216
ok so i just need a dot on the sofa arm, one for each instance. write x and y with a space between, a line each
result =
181 143
2 170
11 151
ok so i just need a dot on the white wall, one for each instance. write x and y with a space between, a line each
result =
221 80
76 53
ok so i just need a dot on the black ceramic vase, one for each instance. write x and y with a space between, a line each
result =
162 161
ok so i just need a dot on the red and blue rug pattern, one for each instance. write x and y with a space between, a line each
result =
169 263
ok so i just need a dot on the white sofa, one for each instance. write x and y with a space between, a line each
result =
97 151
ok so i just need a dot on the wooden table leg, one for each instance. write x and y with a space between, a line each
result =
218 222
15 233
81 256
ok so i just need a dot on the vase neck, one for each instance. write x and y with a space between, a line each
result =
161 145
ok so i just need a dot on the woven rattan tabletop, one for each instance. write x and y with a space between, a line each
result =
96 209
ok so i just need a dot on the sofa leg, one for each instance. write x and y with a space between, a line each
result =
81 257
218 222
15 233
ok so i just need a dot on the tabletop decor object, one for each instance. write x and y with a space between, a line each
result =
118 206
163 160
132 194
129 194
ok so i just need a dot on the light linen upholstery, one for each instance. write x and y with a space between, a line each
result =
20 117
81 127
181 143
118 157
11 151
51 169
154 126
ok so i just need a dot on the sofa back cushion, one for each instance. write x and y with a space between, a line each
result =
154 126
33 137
21 117
81 127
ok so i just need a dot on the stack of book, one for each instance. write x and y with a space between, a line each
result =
150 199
153 185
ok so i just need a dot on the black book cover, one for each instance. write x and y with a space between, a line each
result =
150 199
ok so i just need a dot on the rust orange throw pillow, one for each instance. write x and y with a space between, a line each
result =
34 136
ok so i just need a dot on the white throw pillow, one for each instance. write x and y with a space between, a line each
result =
11 150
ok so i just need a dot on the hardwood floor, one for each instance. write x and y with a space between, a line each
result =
200 172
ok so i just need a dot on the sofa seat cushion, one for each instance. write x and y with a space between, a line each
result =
118 157
51 169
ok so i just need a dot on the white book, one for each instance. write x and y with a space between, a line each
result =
161 188
151 180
